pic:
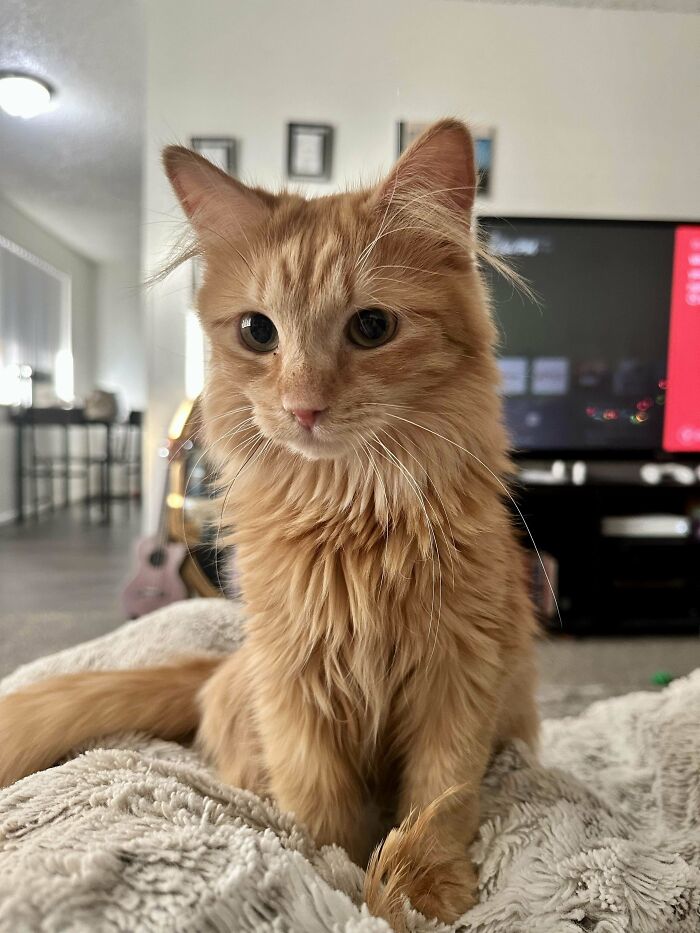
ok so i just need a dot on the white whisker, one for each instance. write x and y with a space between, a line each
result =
188 478
507 492
257 439
452 549
388 455
380 478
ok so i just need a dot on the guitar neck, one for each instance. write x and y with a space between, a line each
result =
162 530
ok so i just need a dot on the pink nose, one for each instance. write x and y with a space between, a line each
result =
307 417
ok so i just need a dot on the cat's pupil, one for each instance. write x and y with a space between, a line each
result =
258 332
262 330
373 324
371 327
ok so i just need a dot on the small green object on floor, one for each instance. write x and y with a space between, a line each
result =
662 678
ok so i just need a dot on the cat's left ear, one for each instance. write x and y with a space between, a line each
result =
215 203
439 165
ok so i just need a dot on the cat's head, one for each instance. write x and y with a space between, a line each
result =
331 318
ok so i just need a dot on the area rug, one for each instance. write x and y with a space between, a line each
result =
601 834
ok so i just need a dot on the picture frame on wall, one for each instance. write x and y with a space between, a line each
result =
407 132
309 151
484 144
222 151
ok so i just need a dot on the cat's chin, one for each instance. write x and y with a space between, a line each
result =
315 448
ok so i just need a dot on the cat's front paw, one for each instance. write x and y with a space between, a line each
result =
439 881
447 894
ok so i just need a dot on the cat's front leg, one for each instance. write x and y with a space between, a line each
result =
311 766
447 725
227 733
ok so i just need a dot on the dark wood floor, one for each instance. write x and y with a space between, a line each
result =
60 581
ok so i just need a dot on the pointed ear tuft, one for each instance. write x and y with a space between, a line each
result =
213 201
440 163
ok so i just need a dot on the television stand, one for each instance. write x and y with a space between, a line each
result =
626 540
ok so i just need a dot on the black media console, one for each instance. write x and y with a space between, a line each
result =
625 536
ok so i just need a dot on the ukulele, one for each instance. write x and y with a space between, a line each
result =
157 581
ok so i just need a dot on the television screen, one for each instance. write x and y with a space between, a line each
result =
682 415
584 365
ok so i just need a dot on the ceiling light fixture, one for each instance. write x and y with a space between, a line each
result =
23 95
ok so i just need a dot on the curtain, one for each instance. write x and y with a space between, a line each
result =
34 320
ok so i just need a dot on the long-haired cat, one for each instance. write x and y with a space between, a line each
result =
353 410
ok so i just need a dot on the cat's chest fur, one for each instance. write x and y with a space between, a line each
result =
342 599
338 578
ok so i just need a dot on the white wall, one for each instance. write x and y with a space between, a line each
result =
17 227
594 109
120 363
25 232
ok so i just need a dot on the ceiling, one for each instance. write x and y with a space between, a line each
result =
76 170
657 6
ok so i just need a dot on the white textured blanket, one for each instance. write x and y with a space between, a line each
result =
602 836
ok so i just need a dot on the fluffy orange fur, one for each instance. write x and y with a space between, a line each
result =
389 634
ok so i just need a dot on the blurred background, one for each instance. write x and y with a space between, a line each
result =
588 140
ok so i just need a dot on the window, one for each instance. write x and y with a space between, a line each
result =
35 328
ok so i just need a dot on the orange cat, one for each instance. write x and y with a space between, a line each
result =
352 406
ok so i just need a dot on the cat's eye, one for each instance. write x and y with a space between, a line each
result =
371 327
258 332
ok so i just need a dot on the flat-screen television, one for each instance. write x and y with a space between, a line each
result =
585 359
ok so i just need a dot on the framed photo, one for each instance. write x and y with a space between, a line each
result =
408 132
484 138
220 150
309 151
484 141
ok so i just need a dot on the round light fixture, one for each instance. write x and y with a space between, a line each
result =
23 95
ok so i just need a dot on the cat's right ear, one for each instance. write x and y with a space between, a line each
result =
214 202
439 167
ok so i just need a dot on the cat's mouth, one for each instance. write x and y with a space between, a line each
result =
317 443
321 438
